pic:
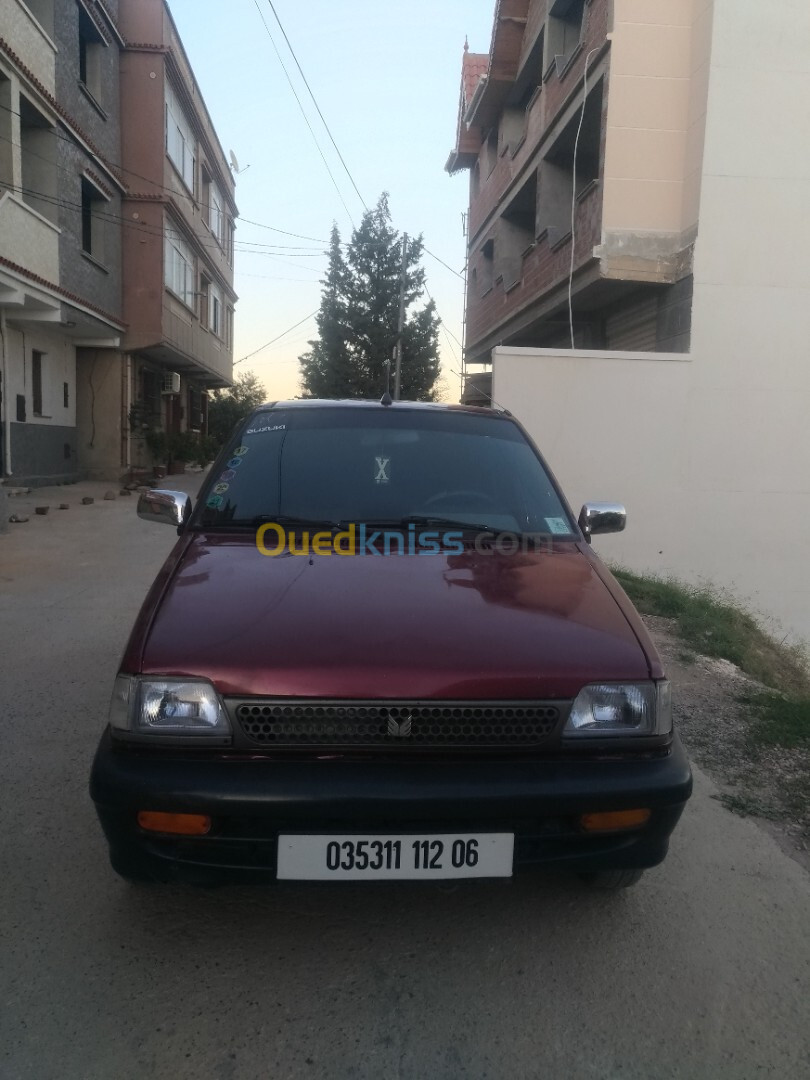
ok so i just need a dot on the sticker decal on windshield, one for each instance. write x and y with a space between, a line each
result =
382 474
267 427
220 489
213 502
557 526
234 463
229 474
240 451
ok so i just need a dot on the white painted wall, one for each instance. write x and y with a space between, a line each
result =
711 451
28 39
59 367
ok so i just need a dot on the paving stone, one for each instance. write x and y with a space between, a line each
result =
41 510
87 500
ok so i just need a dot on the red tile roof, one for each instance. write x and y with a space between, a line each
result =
475 65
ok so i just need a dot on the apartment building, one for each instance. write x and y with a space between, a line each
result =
704 177
178 241
116 239
60 201
583 198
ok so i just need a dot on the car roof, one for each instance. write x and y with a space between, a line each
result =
362 403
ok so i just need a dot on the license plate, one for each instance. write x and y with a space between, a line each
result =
395 857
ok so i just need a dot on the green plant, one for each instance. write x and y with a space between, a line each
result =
184 446
158 444
207 450
713 624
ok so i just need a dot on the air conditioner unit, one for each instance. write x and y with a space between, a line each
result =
171 382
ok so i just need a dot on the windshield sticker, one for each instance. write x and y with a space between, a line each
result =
220 489
213 502
229 474
383 470
557 525
234 463
267 427
240 451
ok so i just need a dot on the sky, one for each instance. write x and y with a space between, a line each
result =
386 77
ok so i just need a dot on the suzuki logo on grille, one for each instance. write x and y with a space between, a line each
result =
400 729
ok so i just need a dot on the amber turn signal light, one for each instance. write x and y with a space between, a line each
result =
612 820
179 824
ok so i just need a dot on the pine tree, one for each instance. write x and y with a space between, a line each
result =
357 321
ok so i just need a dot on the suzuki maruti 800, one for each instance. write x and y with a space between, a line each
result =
384 648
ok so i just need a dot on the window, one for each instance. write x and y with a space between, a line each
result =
38 158
205 284
517 231
36 381
42 10
522 97
6 141
215 309
229 238
180 142
65 396
322 464
205 191
178 268
564 30
491 150
557 181
91 44
93 220
195 409
229 327
216 216
487 266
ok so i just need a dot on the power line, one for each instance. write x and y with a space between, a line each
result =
303 113
118 167
157 231
272 341
448 333
427 251
315 103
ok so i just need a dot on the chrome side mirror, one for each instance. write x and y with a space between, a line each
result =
165 507
602 518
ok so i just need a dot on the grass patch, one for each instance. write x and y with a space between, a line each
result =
744 806
780 721
714 625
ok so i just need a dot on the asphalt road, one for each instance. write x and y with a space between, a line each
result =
702 970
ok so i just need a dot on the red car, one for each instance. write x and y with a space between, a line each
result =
383 648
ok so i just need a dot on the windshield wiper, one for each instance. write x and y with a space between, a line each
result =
290 521
432 522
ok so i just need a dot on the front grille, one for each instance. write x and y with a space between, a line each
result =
397 725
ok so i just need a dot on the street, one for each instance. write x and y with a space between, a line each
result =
701 971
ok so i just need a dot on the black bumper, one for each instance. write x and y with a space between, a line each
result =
252 801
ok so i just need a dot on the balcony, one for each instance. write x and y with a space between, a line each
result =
33 239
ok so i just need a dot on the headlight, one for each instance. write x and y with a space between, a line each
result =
162 707
621 709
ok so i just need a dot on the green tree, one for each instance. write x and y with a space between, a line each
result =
227 407
357 320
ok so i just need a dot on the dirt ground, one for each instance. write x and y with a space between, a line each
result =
767 784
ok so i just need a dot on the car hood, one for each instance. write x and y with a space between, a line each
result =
536 624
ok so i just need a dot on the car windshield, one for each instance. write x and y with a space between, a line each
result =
340 465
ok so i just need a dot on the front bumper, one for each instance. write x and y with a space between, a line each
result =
252 801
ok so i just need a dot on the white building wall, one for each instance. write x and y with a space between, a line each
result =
711 451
